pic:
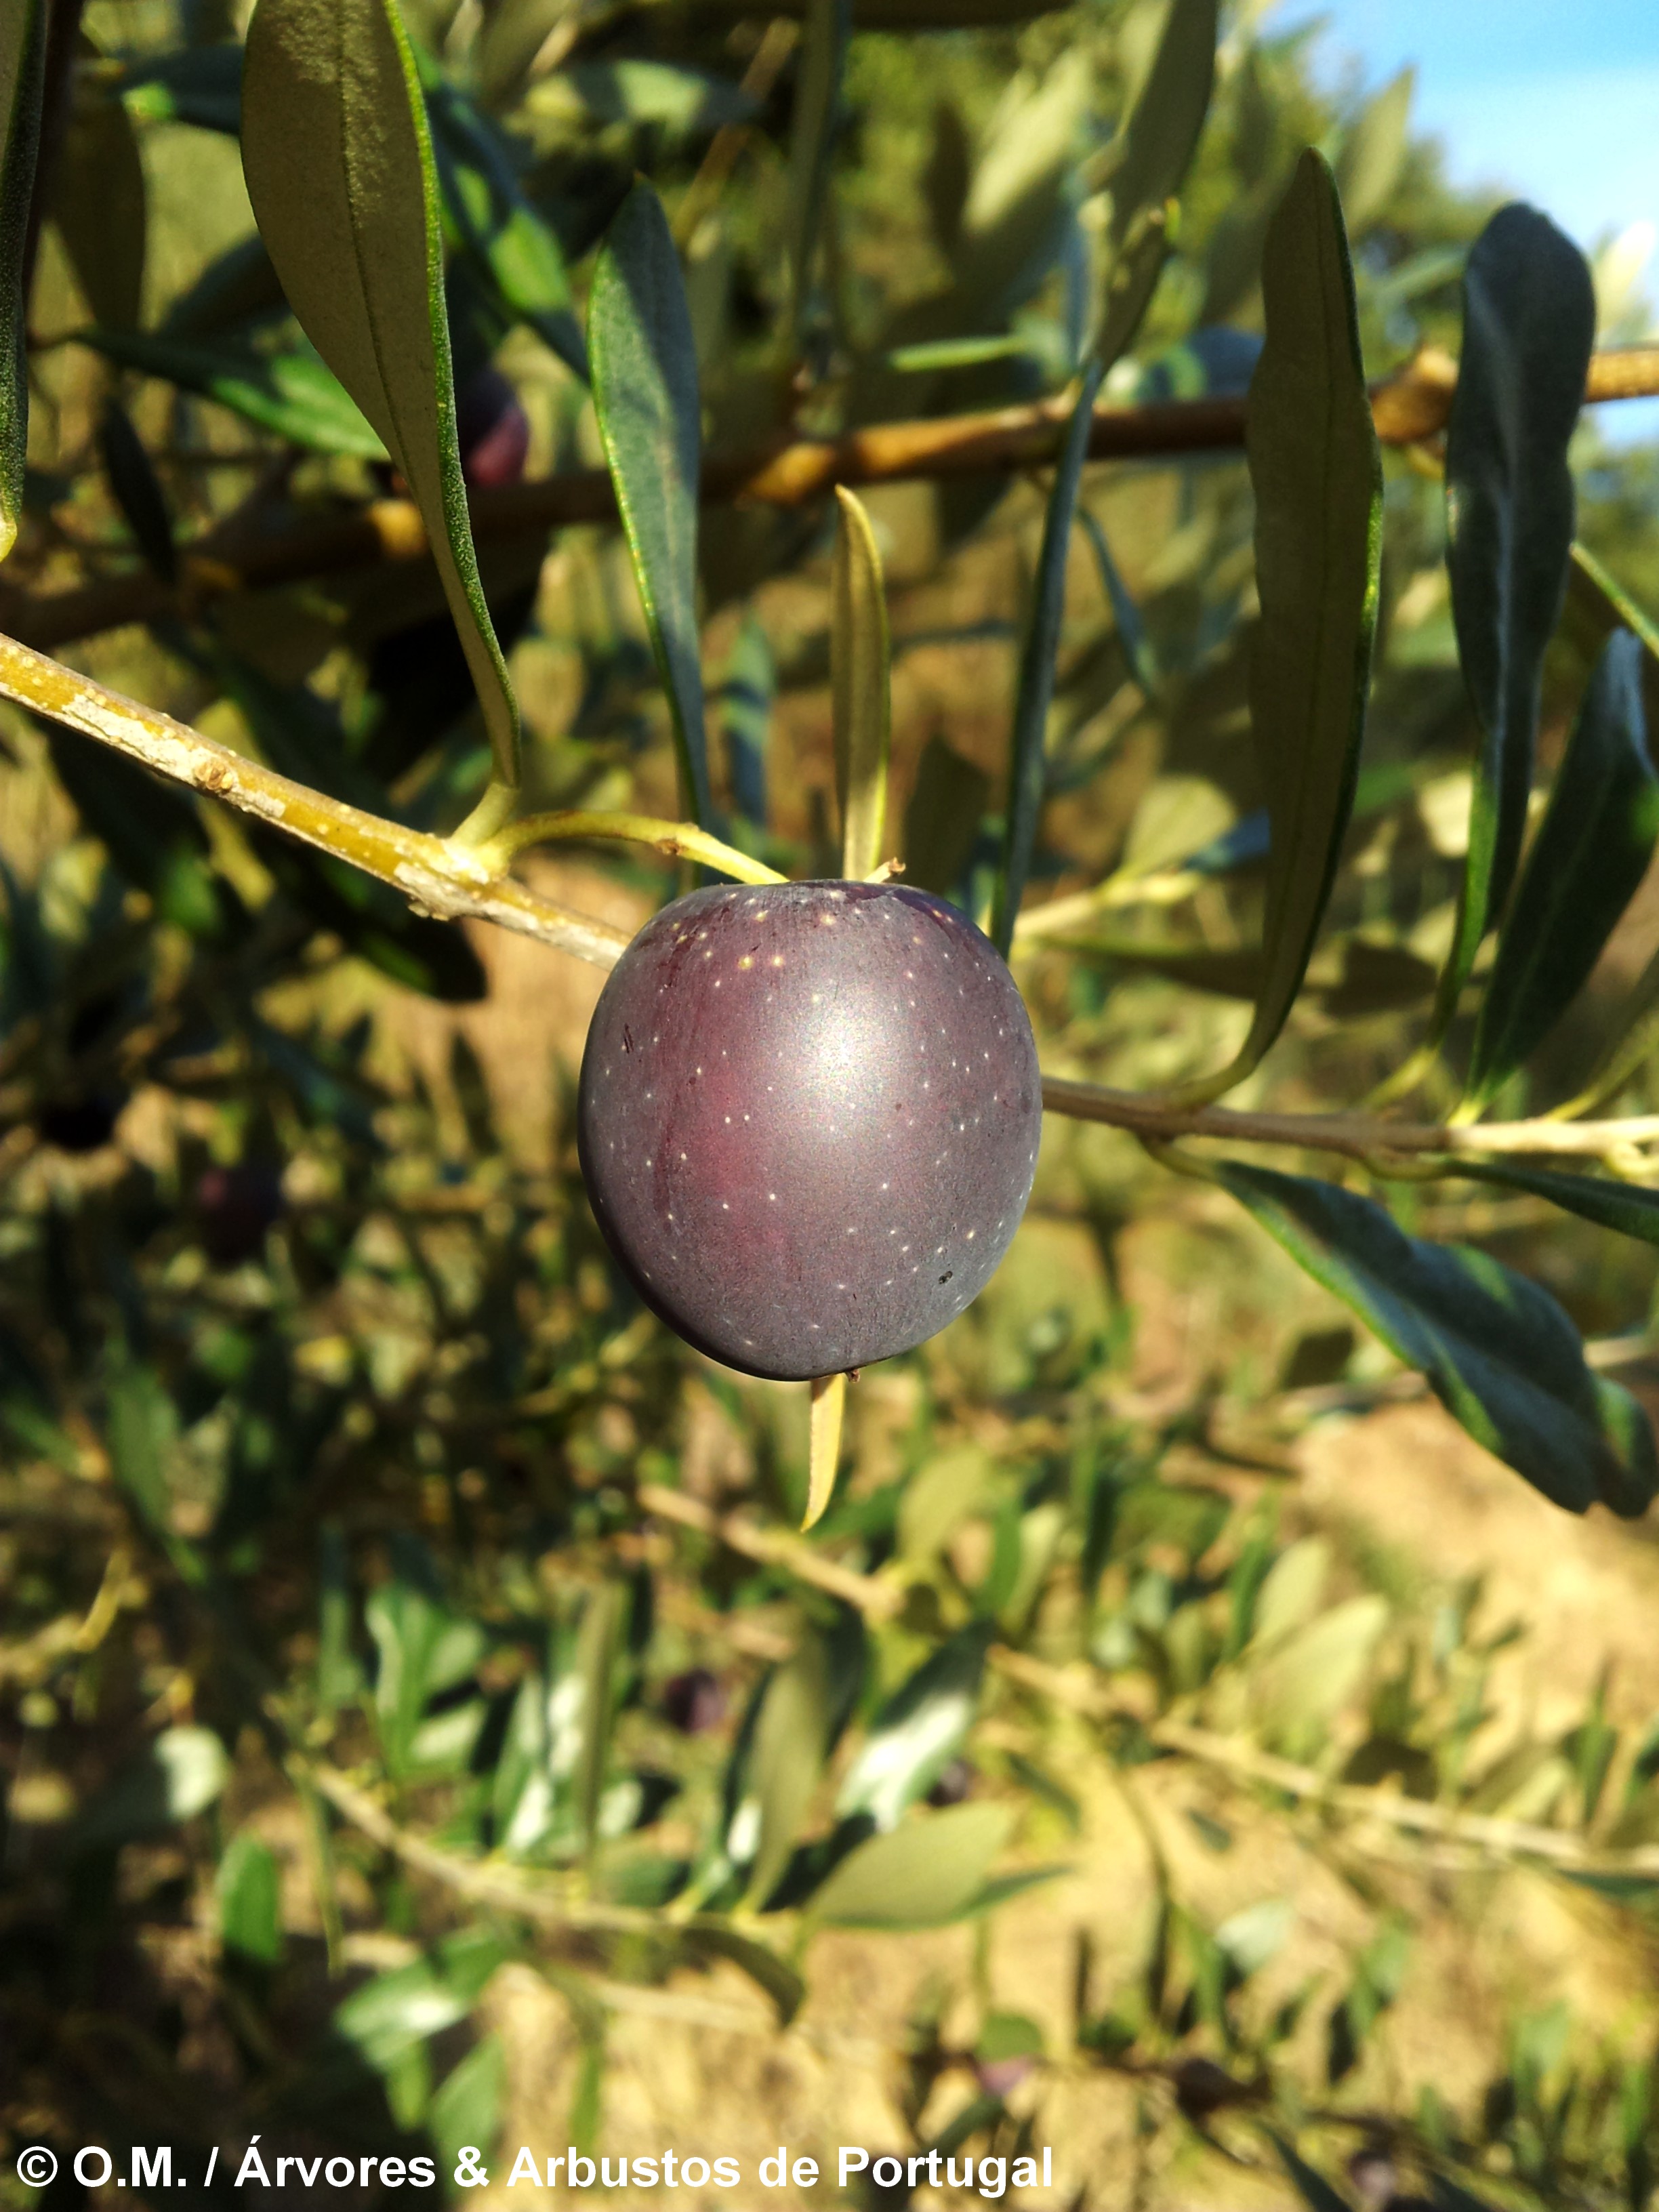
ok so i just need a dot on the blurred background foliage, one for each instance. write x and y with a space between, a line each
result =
1178 1745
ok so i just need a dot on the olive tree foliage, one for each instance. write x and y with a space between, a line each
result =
354 1439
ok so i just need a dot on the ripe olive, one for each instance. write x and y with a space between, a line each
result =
808 1120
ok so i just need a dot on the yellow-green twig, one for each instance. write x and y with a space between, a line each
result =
679 840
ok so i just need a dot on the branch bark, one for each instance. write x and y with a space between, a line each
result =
245 555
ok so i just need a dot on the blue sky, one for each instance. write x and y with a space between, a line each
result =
1558 98
1556 101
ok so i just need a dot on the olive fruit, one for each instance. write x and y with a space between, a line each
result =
808 1120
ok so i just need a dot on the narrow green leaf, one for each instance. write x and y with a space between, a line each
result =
859 657
488 216
812 144
597 1648
787 1760
137 490
918 1732
23 58
1631 1209
1528 326
1497 1351
1318 482
199 85
775 1976
466 2107
251 1899
1591 854
1315 2192
924 1874
1159 139
942 820
340 169
1373 150
97 203
1027 756
291 392
645 389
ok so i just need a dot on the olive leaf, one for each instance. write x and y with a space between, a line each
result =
919 1731
1317 478
859 664
1591 852
340 169
1373 149
1158 143
1627 1208
817 108
292 392
98 202
1028 756
786 1760
23 58
1496 1351
930 1870
486 215
1528 326
644 364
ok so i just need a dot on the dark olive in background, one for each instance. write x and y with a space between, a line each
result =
808 1120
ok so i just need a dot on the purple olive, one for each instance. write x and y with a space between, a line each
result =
808 1119
492 429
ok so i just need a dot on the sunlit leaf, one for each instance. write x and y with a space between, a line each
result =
1028 756
1528 326
919 1731
930 1870
290 392
858 656
466 2106
1591 852
644 366
178 1775
791 1737
23 57
340 169
1497 1351
1318 482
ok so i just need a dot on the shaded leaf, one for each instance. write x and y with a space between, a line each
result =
769 1972
942 819
98 204
340 169
599 1646
138 491
747 694
1528 326
1318 482
683 100
1591 852
1497 1350
644 367
927 1872
199 85
237 288
1028 758
1312 2188
858 666
177 1776
291 392
1630 1209
1019 208
812 143
22 60
1158 143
